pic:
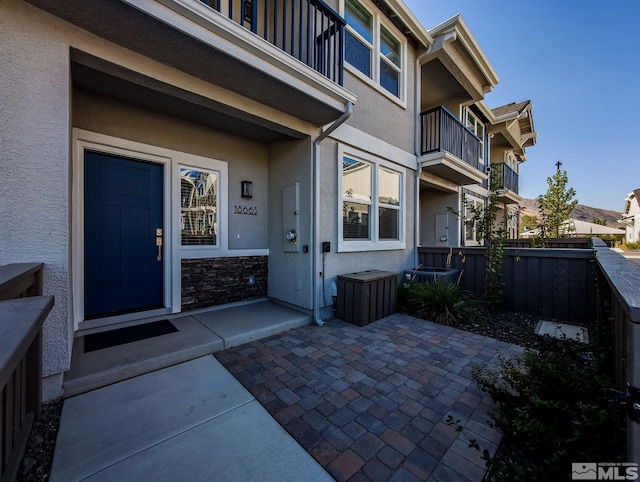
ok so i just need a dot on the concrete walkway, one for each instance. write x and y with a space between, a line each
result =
191 421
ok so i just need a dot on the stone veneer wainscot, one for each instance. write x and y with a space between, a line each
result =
216 281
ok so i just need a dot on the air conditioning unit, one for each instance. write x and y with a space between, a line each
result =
487 169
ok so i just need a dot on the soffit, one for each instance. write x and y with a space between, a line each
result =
96 75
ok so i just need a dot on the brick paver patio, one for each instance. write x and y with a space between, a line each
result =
370 403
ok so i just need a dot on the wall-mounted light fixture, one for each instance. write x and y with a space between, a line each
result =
247 189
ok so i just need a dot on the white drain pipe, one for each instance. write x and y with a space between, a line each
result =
316 210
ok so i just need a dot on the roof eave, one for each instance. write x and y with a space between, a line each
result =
410 21
457 26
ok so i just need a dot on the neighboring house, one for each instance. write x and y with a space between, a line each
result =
573 228
454 74
510 131
631 217
226 142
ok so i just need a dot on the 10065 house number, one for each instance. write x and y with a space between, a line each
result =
248 210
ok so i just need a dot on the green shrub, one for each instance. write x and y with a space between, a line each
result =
439 301
632 246
553 408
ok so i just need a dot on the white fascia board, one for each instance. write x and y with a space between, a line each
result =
407 17
454 163
205 24
456 28
510 195
486 111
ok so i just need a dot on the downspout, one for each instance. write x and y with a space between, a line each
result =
316 208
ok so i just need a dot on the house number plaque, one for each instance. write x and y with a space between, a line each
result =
248 210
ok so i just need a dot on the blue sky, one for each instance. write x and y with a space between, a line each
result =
579 63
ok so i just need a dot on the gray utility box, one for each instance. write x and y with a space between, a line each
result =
366 296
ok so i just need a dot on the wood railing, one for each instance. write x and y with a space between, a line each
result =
441 131
22 313
308 30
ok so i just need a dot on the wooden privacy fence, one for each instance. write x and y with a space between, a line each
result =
572 285
551 282
622 277
22 313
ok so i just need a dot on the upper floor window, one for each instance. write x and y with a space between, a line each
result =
372 48
511 160
372 204
475 125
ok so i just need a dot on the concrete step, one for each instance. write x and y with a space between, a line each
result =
198 334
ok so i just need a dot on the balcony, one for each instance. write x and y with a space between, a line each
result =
448 149
284 54
308 30
506 181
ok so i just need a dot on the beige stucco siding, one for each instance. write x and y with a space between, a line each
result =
34 180
376 114
290 275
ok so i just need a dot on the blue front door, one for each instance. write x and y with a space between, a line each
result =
123 219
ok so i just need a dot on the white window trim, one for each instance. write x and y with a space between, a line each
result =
171 160
477 202
374 80
466 112
374 243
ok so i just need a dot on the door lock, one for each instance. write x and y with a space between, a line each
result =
159 243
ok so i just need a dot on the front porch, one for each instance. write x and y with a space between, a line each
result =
198 333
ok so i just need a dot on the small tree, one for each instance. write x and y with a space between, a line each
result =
528 222
492 231
556 205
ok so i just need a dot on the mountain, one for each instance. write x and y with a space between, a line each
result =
581 212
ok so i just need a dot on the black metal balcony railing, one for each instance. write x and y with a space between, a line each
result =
506 178
308 30
441 131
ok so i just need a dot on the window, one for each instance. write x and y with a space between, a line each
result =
198 207
472 206
367 39
475 125
371 204
356 208
390 66
359 38
389 204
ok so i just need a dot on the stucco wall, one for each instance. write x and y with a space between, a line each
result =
34 169
337 263
432 203
290 274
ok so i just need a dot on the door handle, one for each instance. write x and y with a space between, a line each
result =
159 244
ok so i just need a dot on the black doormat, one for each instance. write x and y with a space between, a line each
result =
107 339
